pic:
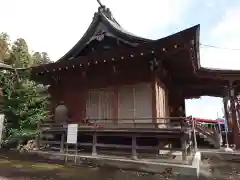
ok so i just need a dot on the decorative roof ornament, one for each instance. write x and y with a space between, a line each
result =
99 35
106 12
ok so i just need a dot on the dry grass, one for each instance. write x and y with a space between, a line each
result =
13 166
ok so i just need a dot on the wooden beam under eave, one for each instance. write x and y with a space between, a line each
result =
201 86
193 94
202 89
218 76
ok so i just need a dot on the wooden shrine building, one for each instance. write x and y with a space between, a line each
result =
114 77
111 73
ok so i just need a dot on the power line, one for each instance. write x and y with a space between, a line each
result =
218 47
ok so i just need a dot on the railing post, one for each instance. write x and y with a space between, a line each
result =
62 142
194 132
181 123
94 144
184 150
134 147
155 122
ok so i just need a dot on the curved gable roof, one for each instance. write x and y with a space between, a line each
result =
103 19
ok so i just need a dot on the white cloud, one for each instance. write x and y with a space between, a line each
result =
225 34
55 26
229 25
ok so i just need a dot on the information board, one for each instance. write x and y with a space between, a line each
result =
72 132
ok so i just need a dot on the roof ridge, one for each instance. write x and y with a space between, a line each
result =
108 13
105 16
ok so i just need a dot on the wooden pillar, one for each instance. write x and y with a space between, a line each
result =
94 144
154 100
134 147
85 93
238 111
235 130
115 103
38 136
62 142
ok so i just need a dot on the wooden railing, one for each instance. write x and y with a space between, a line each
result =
171 123
141 127
212 135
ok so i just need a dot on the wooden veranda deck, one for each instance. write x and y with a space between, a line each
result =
135 137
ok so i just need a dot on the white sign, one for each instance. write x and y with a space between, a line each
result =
72 133
1 126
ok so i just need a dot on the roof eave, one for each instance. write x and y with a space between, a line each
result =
123 33
81 43
99 16
211 72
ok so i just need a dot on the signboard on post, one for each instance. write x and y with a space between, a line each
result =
72 133
1 127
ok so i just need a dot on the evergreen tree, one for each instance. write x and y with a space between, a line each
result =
23 102
45 58
4 46
37 58
40 58
20 56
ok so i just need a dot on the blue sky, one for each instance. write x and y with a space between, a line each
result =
55 26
